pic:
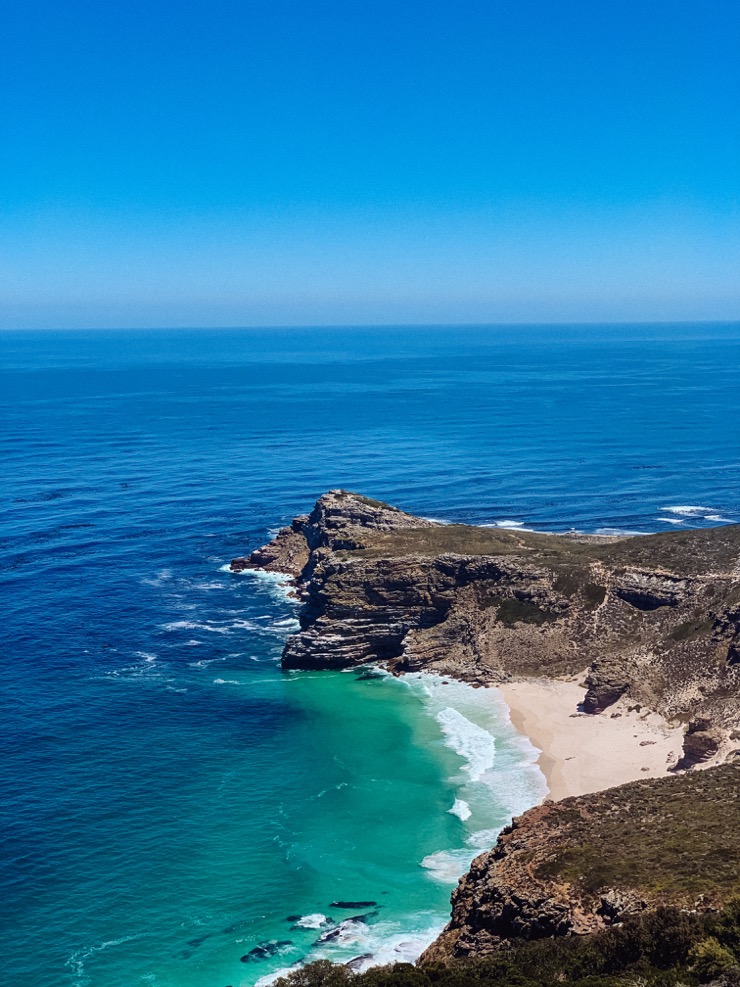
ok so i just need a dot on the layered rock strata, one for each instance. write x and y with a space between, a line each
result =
654 618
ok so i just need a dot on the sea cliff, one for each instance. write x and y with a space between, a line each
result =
638 627
585 864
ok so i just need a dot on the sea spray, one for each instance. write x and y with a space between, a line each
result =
461 809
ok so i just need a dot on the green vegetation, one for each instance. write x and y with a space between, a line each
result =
456 539
672 839
689 629
664 948
570 582
695 552
513 611
594 594
346 495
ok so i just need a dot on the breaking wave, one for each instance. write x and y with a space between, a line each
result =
472 743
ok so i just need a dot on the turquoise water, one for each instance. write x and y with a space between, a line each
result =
169 796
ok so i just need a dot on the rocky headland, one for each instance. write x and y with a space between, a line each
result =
637 631
585 864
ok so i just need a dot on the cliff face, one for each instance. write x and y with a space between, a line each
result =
653 618
656 618
580 865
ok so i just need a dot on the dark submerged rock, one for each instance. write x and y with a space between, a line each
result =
354 904
264 950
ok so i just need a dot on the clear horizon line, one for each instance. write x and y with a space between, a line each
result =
374 325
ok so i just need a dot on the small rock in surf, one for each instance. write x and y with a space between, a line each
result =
356 962
264 950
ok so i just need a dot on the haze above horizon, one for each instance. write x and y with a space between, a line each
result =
279 163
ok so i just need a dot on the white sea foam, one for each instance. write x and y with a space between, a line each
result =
287 624
506 525
145 655
436 520
388 945
148 670
515 778
242 624
193 625
226 682
471 742
270 978
483 839
314 921
333 788
688 511
347 933
76 960
501 776
162 577
619 532
377 945
461 809
446 866
278 584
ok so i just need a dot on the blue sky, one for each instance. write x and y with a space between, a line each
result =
236 163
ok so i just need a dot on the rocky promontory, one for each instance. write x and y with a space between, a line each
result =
655 618
648 623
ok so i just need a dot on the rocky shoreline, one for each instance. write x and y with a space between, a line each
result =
654 620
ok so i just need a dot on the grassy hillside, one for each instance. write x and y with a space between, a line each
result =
672 839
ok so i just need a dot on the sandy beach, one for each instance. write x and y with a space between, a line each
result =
583 753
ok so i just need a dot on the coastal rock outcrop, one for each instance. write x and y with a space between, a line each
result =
701 742
654 618
288 552
574 867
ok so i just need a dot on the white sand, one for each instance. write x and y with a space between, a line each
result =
582 752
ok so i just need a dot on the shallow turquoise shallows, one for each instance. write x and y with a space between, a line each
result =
173 802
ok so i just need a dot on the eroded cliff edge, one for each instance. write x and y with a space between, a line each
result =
581 865
654 618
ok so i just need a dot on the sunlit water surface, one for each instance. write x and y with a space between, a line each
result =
170 797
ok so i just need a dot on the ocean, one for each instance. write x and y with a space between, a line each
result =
176 811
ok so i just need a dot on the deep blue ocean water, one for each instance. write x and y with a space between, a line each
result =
169 796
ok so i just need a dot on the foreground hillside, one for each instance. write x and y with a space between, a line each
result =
577 866
664 948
